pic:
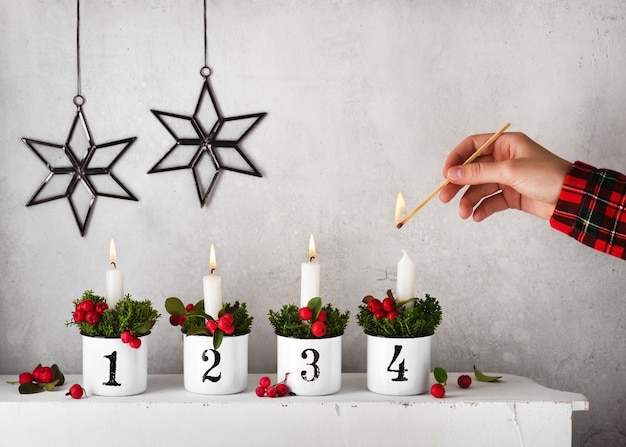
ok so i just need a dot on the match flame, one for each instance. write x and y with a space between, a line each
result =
399 208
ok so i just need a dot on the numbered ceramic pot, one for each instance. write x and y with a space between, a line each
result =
313 364
113 368
215 371
398 366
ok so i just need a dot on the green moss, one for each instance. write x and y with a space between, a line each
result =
287 323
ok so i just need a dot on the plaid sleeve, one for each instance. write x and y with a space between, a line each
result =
591 208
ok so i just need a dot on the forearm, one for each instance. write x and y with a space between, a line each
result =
592 208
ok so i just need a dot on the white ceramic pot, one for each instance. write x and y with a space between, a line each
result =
398 366
113 368
313 364
215 371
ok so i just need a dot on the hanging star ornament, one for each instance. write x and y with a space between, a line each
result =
207 142
80 170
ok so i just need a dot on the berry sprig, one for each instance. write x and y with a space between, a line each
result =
382 309
133 341
76 391
266 388
313 315
42 378
89 312
310 321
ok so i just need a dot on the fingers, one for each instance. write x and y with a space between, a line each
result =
474 196
465 149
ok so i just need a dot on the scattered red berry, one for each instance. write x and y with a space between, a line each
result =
464 381
318 329
37 373
389 304
46 374
305 313
135 343
126 337
438 390
92 317
25 377
260 391
189 307
282 389
265 381
76 391
271 391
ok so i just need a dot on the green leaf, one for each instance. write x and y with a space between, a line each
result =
315 304
58 375
441 376
218 336
483 377
198 330
143 327
30 388
50 385
174 306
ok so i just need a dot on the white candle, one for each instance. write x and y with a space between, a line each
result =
309 276
405 286
114 279
212 285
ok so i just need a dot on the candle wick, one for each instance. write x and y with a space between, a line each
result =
211 271
312 258
114 265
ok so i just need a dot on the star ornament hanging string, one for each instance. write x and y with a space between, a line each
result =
79 169
207 142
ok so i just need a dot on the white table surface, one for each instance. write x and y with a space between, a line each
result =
512 412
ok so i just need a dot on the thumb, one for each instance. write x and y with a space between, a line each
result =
477 173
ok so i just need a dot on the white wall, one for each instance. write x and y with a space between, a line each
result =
364 99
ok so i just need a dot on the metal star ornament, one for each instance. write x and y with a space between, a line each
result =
80 170
207 142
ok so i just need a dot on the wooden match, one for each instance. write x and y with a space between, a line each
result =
475 155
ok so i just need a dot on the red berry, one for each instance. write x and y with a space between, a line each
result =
271 391
79 316
322 316
229 330
182 319
228 318
101 306
224 323
189 307
392 315
86 306
46 374
76 391
265 381
438 390
374 305
135 343
389 304
126 337
25 377
92 317
282 389
174 320
464 381
305 313
260 391
318 329
37 373
380 314
211 325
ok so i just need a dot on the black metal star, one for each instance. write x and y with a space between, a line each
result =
206 142
91 169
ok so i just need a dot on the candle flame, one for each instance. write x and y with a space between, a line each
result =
112 254
311 248
212 261
399 208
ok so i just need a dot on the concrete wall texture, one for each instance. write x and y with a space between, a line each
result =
364 99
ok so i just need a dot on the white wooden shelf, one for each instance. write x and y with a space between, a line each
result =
513 412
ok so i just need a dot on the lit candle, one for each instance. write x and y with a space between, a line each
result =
309 276
405 286
114 279
212 285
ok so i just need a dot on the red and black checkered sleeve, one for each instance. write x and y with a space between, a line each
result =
591 208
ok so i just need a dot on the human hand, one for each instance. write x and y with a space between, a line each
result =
514 172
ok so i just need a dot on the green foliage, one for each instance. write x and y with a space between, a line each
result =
417 318
137 317
287 323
